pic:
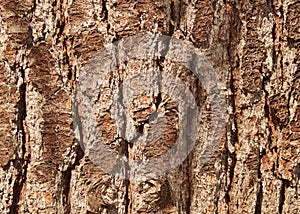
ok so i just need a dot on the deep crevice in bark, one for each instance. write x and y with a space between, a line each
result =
231 168
61 23
284 185
66 179
172 21
104 9
127 197
259 196
125 151
21 163
188 184
234 33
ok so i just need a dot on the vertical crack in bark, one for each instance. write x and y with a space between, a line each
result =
189 183
234 34
127 171
186 170
104 10
258 204
67 55
66 179
124 150
284 185
20 163
176 14
231 175
186 197
172 17
269 139
232 156
265 79
188 173
127 184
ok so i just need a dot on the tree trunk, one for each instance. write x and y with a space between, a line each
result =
246 154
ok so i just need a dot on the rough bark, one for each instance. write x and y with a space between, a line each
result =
254 46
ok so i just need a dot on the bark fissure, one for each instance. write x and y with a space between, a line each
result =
125 151
127 196
282 195
20 163
259 197
105 11
231 168
189 184
234 27
67 176
63 39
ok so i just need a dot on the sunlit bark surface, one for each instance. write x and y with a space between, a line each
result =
254 48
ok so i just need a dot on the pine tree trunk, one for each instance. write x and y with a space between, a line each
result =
254 164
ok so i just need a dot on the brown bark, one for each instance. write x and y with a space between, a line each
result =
252 45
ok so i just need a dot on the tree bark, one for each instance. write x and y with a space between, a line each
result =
254 48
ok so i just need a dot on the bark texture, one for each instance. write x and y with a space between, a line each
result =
254 46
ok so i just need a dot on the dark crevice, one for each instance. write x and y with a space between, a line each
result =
231 168
61 23
61 27
284 185
54 3
158 100
127 197
20 163
171 28
178 10
79 150
281 198
234 34
77 124
258 204
29 40
53 9
34 6
140 128
124 167
66 179
172 21
71 73
104 10
267 114
189 163
125 145
189 186
125 151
